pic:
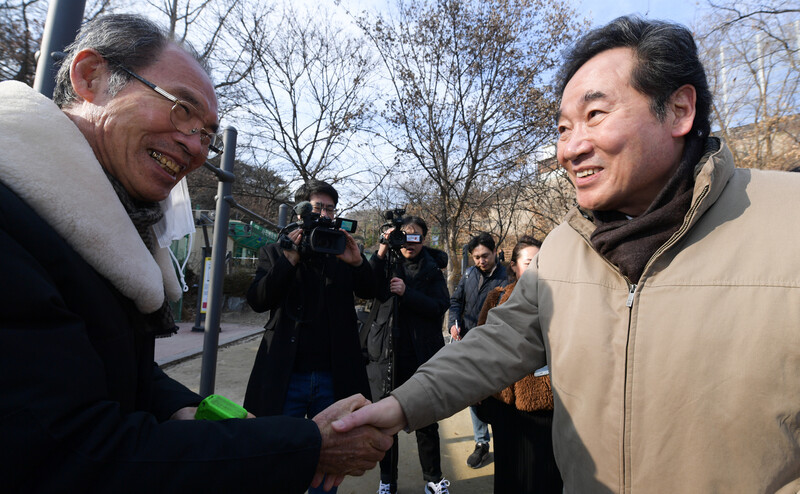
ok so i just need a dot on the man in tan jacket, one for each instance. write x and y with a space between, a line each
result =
668 302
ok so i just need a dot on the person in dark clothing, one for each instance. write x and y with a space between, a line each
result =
465 306
310 355
521 414
420 290
84 407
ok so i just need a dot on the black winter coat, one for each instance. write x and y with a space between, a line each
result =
420 314
83 408
295 295
470 294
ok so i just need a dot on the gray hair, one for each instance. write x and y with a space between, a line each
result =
123 40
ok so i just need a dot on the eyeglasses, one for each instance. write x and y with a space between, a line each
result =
318 207
185 117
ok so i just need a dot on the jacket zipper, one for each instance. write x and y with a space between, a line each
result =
629 303
631 292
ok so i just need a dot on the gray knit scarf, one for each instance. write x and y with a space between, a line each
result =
144 215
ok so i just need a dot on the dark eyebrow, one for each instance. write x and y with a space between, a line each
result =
593 95
588 96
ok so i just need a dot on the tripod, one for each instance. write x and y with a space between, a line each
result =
392 256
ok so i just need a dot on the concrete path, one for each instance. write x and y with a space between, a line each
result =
181 358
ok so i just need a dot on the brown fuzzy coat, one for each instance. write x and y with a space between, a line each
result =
529 393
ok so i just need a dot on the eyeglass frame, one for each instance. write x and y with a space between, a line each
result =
318 207
216 148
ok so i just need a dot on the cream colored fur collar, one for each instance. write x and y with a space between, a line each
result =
48 163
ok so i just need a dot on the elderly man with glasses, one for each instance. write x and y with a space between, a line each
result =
85 286
310 355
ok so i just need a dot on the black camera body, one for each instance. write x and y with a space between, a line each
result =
397 238
321 235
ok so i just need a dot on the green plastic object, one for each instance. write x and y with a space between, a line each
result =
217 407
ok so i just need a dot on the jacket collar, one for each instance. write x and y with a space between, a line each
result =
48 163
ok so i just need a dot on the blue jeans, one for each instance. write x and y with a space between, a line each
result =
309 393
479 428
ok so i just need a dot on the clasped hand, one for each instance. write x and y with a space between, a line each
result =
350 450
358 433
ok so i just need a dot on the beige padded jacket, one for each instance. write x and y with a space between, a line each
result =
688 382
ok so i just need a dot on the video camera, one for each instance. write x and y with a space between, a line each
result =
397 238
321 235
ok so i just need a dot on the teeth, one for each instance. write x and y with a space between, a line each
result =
585 173
167 164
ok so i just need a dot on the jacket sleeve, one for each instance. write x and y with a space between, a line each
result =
168 395
382 292
67 433
274 276
431 303
457 303
364 280
490 357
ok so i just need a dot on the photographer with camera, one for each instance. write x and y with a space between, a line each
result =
310 354
412 299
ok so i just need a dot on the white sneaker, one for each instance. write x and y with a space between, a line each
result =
438 488
385 488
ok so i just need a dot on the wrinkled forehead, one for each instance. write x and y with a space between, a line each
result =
606 73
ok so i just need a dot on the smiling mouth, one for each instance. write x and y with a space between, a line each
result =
167 164
586 173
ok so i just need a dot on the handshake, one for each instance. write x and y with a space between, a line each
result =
355 436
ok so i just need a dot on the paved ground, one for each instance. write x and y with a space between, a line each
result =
181 357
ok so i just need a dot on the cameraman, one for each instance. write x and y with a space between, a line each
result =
417 282
310 354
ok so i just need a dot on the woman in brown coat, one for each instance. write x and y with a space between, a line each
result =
522 414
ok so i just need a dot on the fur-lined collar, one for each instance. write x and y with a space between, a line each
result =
49 164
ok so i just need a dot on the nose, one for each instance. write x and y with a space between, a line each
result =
573 146
192 144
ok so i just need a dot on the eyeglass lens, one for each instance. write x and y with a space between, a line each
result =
184 117
319 207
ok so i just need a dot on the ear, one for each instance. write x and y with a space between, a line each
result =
89 75
682 103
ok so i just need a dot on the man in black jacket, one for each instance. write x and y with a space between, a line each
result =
310 354
465 307
413 296
83 406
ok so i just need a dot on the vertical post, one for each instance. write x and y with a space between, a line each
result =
211 336
63 21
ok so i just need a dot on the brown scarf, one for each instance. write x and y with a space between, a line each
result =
144 215
630 243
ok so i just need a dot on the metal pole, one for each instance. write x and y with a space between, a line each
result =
252 214
221 219
63 21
